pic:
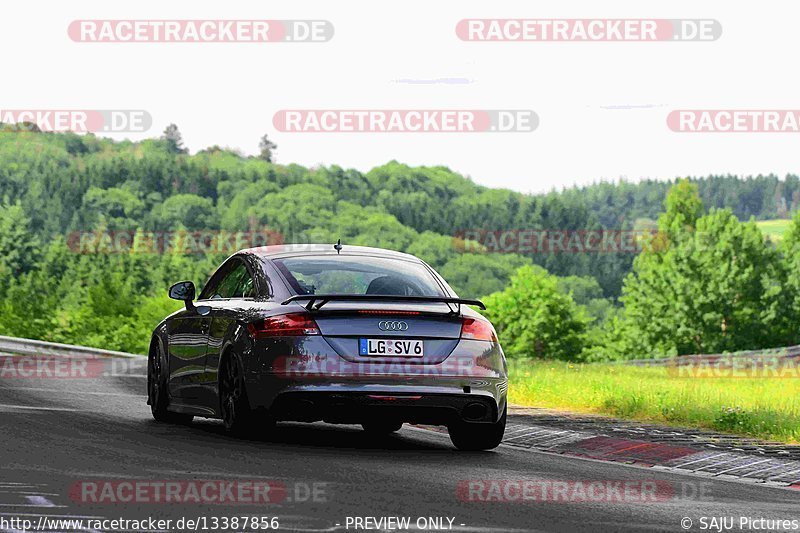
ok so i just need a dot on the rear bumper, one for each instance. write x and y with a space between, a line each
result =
314 383
358 407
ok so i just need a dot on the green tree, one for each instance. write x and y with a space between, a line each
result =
188 211
790 249
534 319
588 294
18 247
266 149
114 208
683 208
717 288
476 275
174 140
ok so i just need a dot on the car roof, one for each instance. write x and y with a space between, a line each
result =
287 250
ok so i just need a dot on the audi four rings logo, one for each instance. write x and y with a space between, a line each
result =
392 325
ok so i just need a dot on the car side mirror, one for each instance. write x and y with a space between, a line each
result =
185 292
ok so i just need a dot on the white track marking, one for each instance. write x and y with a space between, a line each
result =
534 433
731 460
31 493
783 465
41 501
35 408
790 472
696 460
26 505
744 466
75 392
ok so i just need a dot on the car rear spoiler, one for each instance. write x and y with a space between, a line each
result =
322 299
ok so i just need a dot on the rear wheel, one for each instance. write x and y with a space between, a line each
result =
383 427
237 415
473 437
157 395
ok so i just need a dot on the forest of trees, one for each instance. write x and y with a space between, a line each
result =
706 282
54 185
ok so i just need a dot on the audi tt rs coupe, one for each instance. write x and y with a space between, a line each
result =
333 333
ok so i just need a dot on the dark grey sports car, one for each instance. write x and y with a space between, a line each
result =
342 334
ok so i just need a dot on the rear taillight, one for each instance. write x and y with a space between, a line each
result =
386 312
290 325
478 330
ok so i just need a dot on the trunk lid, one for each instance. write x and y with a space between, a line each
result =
347 327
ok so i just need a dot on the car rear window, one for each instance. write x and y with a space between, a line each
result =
358 275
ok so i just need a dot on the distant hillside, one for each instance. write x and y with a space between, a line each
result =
66 182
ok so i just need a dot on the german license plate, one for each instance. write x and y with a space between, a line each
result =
390 348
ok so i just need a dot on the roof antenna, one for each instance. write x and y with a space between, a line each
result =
338 246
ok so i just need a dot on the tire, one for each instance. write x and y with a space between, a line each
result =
381 427
237 415
157 394
476 437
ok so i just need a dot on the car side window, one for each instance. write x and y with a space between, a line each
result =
232 280
210 288
246 288
229 285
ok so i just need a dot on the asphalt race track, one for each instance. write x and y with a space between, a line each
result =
59 432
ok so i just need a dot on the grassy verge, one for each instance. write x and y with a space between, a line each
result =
763 408
773 229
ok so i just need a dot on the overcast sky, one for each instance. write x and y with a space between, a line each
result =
602 106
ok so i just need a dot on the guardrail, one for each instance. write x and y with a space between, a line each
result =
20 346
787 352
14 345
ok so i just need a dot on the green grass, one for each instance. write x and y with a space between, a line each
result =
773 229
763 408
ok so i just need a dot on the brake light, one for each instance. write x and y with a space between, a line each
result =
292 324
478 330
386 312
